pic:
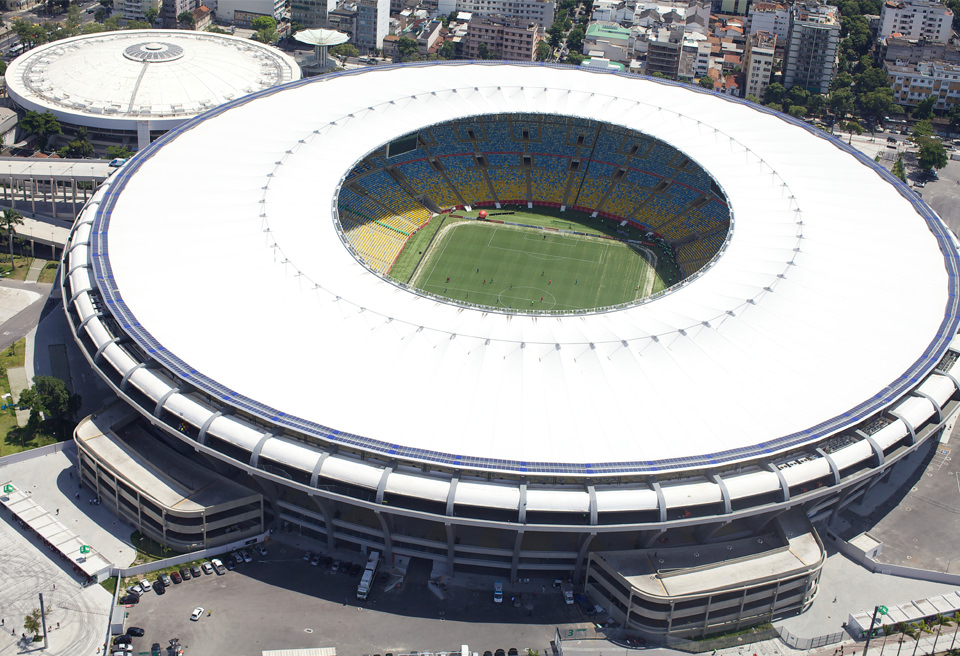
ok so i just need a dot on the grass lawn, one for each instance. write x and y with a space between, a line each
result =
532 269
18 271
14 439
49 273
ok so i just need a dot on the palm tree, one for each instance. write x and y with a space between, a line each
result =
913 630
956 623
941 621
9 221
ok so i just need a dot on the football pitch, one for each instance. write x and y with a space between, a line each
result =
532 269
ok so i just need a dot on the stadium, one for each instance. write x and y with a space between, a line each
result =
330 320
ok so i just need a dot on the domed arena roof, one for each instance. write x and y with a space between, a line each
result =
835 293
114 80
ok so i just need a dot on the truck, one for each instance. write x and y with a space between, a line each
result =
567 589
369 575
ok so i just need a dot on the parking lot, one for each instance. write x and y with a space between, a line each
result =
281 601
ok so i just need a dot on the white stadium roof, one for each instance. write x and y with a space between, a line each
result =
835 294
116 79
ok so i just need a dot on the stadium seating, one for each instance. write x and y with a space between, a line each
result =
545 159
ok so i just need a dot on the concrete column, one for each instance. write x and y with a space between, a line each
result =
387 535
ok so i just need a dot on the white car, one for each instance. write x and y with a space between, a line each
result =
145 585
135 590
246 556
498 592
262 550
197 613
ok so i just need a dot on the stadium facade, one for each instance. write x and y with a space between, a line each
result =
129 87
673 454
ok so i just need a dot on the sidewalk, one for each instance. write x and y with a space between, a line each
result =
36 268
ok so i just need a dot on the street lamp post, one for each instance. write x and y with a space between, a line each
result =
882 610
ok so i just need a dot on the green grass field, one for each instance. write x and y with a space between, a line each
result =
533 269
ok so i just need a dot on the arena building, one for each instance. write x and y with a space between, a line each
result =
673 453
129 87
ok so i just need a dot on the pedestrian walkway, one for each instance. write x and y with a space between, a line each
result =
18 382
36 268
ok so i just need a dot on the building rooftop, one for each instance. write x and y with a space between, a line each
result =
114 79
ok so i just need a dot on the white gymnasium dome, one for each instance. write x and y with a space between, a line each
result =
834 296
119 80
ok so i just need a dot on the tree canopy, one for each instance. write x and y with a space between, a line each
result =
43 126
50 403
932 154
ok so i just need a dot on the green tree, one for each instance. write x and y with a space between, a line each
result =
816 104
576 59
932 154
797 111
407 48
32 622
575 39
448 50
923 128
72 23
29 34
49 396
706 82
216 29
878 102
797 96
842 80
939 621
924 108
186 20
345 50
899 170
841 102
151 15
9 221
263 23
774 93
42 125
543 51
121 152
752 98
79 147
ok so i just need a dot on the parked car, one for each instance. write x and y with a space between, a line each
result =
176 578
135 631
247 558
145 585
218 566
315 560
262 550
308 555
159 587
498 592
185 573
195 570
117 162
197 613
129 600
155 649
166 580
335 567
230 562
206 567
122 640
135 590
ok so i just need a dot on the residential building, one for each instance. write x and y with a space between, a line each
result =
136 9
429 35
916 19
511 39
202 18
663 52
373 22
913 83
811 56
897 49
693 15
734 7
344 19
312 13
170 9
538 11
608 41
616 11
758 63
243 12
770 17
